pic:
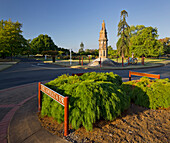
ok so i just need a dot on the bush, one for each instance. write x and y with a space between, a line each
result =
92 96
152 94
110 77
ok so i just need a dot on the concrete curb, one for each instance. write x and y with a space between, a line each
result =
18 86
114 68
6 67
120 68
10 64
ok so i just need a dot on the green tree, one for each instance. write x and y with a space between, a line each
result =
166 43
81 50
144 42
135 29
12 41
27 49
43 43
123 32
60 53
50 52
111 53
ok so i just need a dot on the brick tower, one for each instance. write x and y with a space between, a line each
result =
103 42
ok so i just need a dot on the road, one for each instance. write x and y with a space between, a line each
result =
29 71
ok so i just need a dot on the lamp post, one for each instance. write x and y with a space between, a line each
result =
70 56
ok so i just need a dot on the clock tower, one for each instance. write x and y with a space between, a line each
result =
103 42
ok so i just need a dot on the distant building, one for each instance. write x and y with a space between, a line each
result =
103 42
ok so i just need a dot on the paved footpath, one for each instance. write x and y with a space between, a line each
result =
18 119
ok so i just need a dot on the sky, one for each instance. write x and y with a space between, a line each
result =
70 22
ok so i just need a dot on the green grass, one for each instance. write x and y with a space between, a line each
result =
147 61
8 60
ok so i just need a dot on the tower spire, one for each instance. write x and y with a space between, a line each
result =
103 42
103 25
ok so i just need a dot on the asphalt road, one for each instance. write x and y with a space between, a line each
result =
30 70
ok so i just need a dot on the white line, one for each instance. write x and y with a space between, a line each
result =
50 68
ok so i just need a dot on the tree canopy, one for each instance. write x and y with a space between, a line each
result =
166 43
143 41
12 41
111 53
123 32
81 50
42 43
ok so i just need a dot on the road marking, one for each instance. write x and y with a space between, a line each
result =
49 67
40 64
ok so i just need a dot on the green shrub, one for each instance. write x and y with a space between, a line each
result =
109 77
91 98
149 93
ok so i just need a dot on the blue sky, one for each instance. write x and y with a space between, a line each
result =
70 22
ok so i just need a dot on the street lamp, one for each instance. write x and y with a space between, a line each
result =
70 56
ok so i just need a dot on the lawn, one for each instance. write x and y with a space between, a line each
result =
148 61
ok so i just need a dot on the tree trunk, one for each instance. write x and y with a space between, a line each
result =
11 56
53 57
122 54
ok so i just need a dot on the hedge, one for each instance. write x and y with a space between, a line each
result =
149 93
92 96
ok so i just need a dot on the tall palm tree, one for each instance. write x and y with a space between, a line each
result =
123 32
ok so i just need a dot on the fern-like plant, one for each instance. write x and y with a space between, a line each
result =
92 96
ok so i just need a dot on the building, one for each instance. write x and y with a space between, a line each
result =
103 42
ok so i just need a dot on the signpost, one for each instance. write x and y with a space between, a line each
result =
57 97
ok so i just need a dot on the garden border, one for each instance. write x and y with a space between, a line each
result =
64 101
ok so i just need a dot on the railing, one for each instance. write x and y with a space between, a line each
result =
143 74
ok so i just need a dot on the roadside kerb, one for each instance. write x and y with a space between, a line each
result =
143 74
6 65
117 68
64 101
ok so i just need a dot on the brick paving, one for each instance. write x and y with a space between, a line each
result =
10 101
18 119
3 111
